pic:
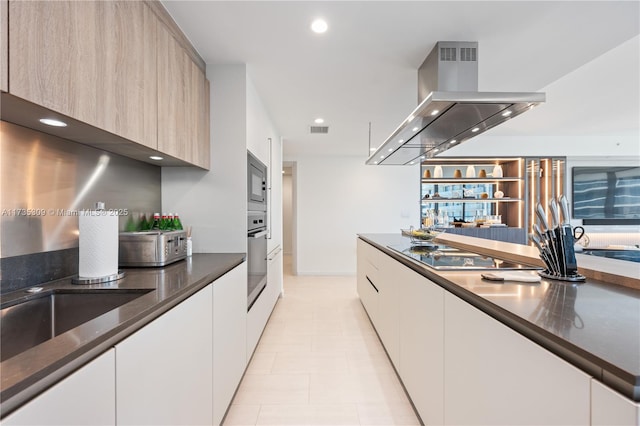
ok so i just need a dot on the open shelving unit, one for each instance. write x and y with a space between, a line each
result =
524 182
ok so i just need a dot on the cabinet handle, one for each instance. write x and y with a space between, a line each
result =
372 285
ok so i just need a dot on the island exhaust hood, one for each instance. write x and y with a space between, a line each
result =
450 109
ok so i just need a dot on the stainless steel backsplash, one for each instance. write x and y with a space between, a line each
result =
45 180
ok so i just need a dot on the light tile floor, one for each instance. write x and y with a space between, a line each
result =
319 362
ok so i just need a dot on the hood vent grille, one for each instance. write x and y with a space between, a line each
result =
319 129
468 54
448 54
450 110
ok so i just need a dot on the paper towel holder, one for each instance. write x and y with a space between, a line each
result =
77 279
97 280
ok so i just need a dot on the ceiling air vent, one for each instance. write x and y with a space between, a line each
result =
319 129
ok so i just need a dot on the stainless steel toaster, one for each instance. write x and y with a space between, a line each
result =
151 248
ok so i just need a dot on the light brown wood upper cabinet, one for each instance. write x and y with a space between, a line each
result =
4 45
174 87
52 56
200 117
122 67
127 78
92 61
183 100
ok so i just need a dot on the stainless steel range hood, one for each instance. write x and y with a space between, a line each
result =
450 109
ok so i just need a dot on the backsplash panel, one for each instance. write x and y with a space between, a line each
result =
46 180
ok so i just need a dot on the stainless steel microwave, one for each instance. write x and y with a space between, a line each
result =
256 183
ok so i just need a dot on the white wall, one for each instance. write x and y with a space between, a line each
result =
339 197
215 202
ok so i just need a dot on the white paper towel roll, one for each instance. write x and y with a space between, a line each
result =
98 243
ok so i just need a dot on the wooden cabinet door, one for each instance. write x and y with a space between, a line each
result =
94 61
4 45
127 77
199 117
174 97
164 370
496 376
86 397
53 60
422 344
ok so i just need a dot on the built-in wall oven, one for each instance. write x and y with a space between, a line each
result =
256 229
256 256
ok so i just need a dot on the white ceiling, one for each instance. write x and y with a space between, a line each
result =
364 69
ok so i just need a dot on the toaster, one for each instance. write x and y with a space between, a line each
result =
151 248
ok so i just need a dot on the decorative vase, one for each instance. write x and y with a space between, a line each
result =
437 172
497 171
471 172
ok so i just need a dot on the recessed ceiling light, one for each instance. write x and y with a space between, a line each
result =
415 129
410 118
390 149
422 157
475 129
375 162
435 150
435 112
372 149
319 26
413 162
401 140
452 142
155 157
319 120
382 156
53 122
506 113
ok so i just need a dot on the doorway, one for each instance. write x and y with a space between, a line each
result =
289 219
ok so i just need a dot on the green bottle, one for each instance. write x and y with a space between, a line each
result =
163 222
143 225
156 222
130 226
168 226
177 225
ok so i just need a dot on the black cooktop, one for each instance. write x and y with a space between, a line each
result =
442 257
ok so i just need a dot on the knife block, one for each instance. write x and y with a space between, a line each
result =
556 249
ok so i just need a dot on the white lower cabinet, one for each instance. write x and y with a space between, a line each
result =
259 314
493 375
609 408
421 343
388 317
86 397
229 337
164 370
367 276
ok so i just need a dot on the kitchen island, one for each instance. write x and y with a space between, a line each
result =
189 285
550 352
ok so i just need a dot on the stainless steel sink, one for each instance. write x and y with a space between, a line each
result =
46 315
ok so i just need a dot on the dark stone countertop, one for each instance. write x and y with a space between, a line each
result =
25 375
594 325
